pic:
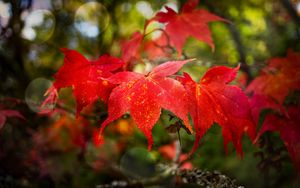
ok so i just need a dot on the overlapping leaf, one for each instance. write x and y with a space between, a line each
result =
157 49
260 102
289 130
212 100
87 78
189 22
270 89
131 47
135 47
145 95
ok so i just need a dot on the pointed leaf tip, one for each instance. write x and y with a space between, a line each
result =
169 68
98 138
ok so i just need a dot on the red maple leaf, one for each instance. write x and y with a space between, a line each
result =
157 49
289 130
145 95
212 100
260 102
189 22
131 47
280 77
87 78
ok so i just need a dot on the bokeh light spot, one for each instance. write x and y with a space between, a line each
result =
91 19
39 26
34 95
145 9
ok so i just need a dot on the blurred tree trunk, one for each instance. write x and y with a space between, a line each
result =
12 61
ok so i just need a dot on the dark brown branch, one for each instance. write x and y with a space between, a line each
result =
240 48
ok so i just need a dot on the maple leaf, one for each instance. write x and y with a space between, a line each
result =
145 95
157 49
87 78
280 77
9 113
260 102
212 100
154 49
189 22
131 47
289 130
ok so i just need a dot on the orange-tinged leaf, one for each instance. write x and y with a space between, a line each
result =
145 95
280 77
242 80
124 127
212 100
75 137
87 78
189 22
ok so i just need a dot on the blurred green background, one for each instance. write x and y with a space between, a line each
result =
38 152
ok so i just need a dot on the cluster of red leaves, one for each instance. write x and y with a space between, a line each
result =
87 78
110 79
270 89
